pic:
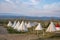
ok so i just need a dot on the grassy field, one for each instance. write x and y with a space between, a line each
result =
44 24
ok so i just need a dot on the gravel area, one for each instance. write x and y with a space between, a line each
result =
3 30
4 35
17 37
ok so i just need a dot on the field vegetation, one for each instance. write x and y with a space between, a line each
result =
44 23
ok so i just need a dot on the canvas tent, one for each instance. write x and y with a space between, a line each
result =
35 23
9 23
57 27
17 25
22 27
26 23
51 28
14 24
29 25
39 27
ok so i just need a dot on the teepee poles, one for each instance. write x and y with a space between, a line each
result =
39 27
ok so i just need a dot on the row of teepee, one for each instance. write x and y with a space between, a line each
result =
24 26
51 27
20 27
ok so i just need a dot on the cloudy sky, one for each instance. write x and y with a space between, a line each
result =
30 7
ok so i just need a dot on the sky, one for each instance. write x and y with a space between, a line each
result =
30 7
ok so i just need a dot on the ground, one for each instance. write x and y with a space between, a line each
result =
3 30
4 35
17 37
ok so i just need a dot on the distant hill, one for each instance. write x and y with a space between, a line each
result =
28 17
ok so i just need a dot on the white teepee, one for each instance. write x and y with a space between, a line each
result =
39 27
51 27
9 23
35 23
14 24
22 27
32 24
29 25
17 25
26 23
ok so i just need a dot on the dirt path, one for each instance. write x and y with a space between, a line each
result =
5 36
17 37
3 30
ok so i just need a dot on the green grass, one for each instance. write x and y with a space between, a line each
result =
13 31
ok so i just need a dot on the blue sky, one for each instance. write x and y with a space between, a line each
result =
30 7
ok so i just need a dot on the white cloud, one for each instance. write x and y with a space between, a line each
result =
9 1
25 8
35 2
54 6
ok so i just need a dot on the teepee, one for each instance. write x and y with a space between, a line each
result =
9 23
17 25
29 25
14 24
39 27
22 27
51 28
26 23
35 23
57 27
